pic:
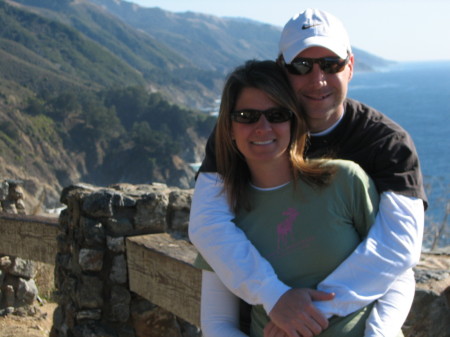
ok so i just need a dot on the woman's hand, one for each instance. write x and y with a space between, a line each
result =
271 330
296 315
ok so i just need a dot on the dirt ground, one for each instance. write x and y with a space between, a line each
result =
38 325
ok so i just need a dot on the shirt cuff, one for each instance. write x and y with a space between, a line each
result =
271 292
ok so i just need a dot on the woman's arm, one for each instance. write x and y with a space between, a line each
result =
219 313
226 248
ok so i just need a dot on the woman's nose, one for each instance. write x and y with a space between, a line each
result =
263 124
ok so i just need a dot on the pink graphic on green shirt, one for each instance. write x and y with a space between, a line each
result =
285 228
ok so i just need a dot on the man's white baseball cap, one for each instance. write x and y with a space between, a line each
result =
313 28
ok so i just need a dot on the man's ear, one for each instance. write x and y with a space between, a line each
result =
351 64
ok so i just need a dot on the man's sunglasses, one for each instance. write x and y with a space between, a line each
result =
303 65
273 115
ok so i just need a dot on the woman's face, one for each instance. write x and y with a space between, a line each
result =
261 142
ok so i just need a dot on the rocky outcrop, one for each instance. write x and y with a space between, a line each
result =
12 197
430 313
18 290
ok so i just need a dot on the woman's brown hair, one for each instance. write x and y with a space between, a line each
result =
231 165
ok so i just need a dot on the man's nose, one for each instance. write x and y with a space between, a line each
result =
317 74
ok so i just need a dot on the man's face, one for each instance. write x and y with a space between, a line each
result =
321 95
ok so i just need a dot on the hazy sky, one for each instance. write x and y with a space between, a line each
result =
401 30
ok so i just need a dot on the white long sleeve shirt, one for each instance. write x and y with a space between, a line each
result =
385 320
392 246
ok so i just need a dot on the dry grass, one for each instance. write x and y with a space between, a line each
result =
45 280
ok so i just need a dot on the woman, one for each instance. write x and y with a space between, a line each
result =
305 217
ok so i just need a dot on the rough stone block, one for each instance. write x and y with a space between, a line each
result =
23 268
119 226
98 204
26 291
92 232
178 211
91 259
4 190
151 213
120 304
9 206
119 272
95 314
89 293
116 244
5 262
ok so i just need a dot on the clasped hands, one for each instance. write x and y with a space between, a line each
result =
294 315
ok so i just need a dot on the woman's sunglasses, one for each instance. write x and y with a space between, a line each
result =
303 65
273 115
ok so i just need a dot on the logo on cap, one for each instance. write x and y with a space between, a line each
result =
305 26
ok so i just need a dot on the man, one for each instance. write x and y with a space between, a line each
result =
316 53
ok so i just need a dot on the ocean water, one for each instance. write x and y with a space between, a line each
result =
417 96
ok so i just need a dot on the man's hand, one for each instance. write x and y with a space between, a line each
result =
296 315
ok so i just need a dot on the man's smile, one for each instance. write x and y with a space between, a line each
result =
317 97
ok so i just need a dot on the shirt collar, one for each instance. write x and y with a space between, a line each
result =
331 128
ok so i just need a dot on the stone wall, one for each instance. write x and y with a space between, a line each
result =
18 291
91 267
11 197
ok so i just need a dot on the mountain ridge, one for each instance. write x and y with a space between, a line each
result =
254 45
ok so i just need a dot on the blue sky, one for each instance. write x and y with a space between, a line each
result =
401 30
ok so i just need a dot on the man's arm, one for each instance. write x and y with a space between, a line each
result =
387 316
392 246
390 311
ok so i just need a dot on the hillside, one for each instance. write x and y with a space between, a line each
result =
104 91
37 48
213 42
122 54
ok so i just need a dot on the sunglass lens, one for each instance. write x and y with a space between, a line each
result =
278 115
274 115
332 66
329 65
300 67
246 116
